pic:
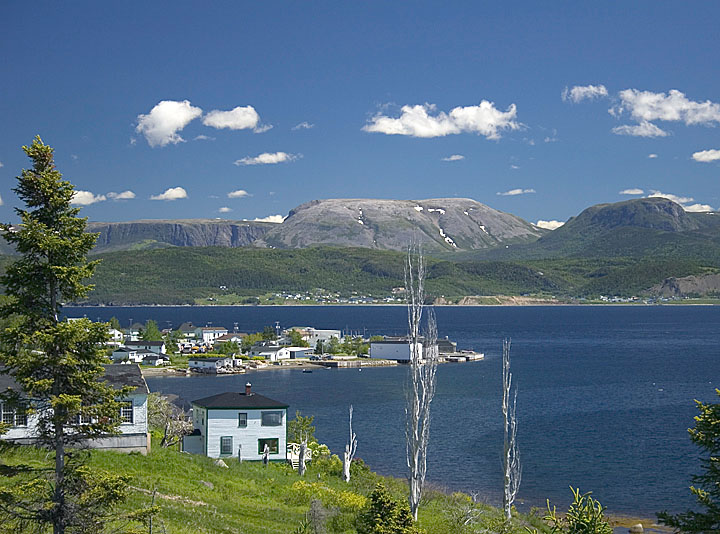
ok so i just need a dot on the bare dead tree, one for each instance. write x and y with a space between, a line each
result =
421 381
511 456
350 449
303 451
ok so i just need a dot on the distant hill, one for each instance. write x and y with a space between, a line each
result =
440 224
149 234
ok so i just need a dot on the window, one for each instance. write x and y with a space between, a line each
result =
13 415
272 418
242 420
226 445
272 443
82 420
126 412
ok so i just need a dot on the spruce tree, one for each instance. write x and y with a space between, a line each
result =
57 363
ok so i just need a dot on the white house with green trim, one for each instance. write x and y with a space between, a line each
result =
238 424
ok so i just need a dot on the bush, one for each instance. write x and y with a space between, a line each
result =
385 515
585 516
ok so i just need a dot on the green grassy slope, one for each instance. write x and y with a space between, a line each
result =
198 497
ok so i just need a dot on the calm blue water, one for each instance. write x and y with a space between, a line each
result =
605 394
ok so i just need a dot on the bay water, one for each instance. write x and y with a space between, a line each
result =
605 394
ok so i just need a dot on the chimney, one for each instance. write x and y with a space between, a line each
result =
248 386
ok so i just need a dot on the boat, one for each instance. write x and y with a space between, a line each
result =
307 370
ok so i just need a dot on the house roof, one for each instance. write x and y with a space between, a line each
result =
145 343
116 375
233 399
207 359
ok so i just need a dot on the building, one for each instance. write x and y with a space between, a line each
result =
209 365
313 335
238 424
208 334
130 355
276 353
133 432
392 350
158 347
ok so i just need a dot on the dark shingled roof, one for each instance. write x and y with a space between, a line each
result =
233 399
117 375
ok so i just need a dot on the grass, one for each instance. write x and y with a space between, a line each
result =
196 496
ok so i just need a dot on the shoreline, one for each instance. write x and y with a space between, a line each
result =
298 305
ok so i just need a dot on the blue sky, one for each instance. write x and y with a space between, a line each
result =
244 110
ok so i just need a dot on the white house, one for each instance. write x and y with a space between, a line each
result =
158 347
209 365
313 335
116 337
392 350
130 355
133 432
238 424
208 334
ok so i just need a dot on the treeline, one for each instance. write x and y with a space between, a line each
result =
182 275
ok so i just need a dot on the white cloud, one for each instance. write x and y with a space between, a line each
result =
550 139
644 129
125 195
271 218
516 167
239 118
202 137
225 209
161 126
174 193
683 201
305 125
454 157
584 92
73 156
425 121
268 158
549 225
240 193
85 198
1 165
514 192
263 128
707 156
698 208
652 156
1 201
673 106
632 191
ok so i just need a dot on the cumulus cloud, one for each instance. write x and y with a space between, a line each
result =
673 106
644 129
85 198
305 125
632 191
173 193
514 192
707 156
125 195
584 92
425 121
268 158
549 225
239 118
271 218
225 209
240 193
683 201
161 126
454 157
652 156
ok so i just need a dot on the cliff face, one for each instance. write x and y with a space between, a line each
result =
177 233
437 224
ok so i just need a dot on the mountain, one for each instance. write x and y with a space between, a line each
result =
440 224
646 227
148 234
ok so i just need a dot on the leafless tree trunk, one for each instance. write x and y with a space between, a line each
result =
511 456
350 449
303 450
421 382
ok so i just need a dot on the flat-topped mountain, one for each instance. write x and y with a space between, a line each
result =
145 234
437 224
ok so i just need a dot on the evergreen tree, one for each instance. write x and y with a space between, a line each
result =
57 363
706 435
151 332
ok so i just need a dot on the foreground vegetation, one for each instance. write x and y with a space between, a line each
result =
195 496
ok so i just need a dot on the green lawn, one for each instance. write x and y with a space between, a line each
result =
195 496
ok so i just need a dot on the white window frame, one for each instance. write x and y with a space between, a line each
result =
269 414
124 416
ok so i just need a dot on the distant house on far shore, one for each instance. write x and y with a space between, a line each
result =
208 334
158 347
